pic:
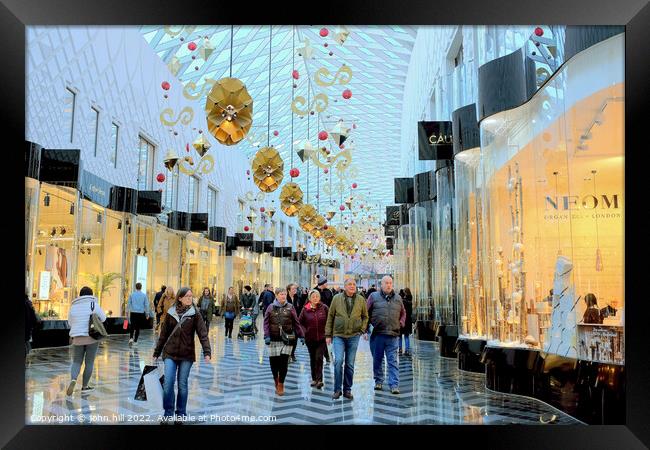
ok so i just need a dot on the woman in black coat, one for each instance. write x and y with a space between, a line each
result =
407 299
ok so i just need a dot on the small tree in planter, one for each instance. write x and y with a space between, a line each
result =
101 284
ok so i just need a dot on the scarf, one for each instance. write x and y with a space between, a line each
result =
182 309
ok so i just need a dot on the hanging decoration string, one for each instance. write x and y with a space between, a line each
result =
308 137
293 68
268 123
232 32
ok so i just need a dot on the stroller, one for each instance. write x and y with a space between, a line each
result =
246 325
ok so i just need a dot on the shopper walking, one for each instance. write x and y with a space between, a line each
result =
206 307
156 301
326 295
313 318
176 344
230 310
280 321
249 302
31 322
387 317
266 297
137 309
407 329
166 301
292 297
371 290
84 348
347 319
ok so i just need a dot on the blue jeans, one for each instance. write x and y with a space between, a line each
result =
174 369
380 344
349 346
406 341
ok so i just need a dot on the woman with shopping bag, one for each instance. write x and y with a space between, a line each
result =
176 344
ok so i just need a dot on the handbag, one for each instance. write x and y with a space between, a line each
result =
288 338
96 328
150 387
229 315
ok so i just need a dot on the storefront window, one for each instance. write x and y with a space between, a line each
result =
444 264
113 264
421 287
167 258
142 257
91 247
553 212
55 252
217 269
31 211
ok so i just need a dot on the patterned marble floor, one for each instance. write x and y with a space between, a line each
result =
237 388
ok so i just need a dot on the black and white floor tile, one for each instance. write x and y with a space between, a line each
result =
237 388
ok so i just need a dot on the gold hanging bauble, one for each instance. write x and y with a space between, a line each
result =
291 199
268 169
201 145
229 111
340 132
329 236
170 160
329 215
306 215
270 212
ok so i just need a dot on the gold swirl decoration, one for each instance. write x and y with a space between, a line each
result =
229 111
319 104
191 86
291 199
187 28
342 76
268 169
204 167
312 259
185 116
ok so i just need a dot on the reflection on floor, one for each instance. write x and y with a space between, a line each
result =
237 387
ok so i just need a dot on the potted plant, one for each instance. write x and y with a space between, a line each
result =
101 284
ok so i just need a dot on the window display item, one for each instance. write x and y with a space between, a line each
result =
592 313
563 318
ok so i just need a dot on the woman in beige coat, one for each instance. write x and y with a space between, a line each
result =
166 301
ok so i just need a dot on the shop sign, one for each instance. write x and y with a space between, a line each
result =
95 189
435 140
598 207
142 263
392 215
44 281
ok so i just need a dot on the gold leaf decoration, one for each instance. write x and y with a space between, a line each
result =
342 33
229 111
291 199
185 116
319 103
191 85
268 169
343 76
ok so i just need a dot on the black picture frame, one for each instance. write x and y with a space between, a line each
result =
15 15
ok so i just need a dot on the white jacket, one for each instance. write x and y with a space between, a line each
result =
79 316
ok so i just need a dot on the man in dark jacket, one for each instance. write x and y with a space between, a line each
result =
387 316
326 295
31 320
266 297
371 290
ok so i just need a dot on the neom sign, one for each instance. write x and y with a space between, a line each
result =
572 202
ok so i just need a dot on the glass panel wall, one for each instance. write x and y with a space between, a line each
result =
32 187
167 258
445 248
110 284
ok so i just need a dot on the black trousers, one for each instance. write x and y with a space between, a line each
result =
293 350
317 351
229 323
136 320
279 366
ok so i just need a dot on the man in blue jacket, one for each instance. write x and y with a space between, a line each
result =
387 316
137 310
266 297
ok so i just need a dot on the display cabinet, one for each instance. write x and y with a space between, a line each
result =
553 208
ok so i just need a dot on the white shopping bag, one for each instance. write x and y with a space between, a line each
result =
154 389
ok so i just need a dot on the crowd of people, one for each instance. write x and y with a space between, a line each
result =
318 318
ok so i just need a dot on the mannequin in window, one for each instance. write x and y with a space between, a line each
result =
592 314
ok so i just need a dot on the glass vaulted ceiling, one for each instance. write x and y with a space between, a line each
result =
379 58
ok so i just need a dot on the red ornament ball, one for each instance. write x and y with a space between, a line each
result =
276 132
352 222
191 46
294 172
354 125
325 227
262 209
187 147
539 31
326 170
160 177
295 74
246 228
325 44
165 85
322 135
347 94
354 185
324 32
342 208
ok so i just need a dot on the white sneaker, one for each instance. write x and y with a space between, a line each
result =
135 343
130 341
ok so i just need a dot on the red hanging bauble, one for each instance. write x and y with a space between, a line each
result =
248 172
354 125
294 172
322 135
324 32
325 227
160 177
347 94
262 209
191 46
295 74
187 147
539 31
342 208
165 85
246 228
276 132
354 185
326 170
